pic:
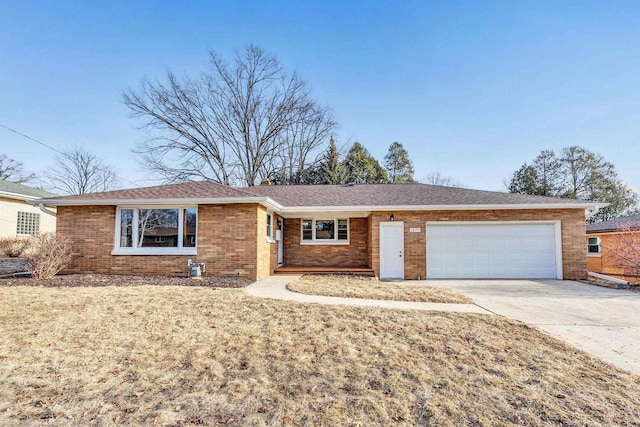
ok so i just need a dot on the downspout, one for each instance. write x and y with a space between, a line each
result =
45 210
592 212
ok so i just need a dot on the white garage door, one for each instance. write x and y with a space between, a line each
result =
491 251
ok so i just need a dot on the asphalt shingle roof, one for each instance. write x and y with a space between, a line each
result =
614 224
185 190
393 195
23 190
328 195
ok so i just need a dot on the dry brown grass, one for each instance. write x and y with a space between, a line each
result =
156 355
370 288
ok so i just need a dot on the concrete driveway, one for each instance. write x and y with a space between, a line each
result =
603 322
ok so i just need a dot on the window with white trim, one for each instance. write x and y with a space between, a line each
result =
320 230
269 226
160 230
28 223
594 245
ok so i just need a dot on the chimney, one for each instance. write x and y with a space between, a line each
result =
265 181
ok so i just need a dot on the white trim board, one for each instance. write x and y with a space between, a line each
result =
382 208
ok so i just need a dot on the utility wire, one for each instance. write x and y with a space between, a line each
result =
60 152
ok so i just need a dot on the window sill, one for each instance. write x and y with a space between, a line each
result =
594 255
270 240
319 243
150 251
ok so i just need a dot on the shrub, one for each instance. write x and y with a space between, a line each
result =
13 247
48 254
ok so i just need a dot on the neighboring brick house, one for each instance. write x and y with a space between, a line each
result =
612 246
19 218
411 231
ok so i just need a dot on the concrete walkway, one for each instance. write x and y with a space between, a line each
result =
275 287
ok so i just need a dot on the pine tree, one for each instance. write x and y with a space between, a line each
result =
398 165
578 174
362 167
332 171
541 178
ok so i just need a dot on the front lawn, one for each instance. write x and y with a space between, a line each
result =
370 288
176 355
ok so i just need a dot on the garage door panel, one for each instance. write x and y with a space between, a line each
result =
491 251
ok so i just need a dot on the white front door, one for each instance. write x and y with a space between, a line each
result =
392 250
280 239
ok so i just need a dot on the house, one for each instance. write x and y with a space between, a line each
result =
613 245
18 217
395 231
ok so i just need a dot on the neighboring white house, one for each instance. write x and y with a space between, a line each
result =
17 217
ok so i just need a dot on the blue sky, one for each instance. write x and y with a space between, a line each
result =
471 89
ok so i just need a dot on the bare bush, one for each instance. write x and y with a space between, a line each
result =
625 249
13 247
48 254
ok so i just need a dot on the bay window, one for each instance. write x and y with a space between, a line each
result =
147 231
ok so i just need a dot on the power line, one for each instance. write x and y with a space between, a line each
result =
58 151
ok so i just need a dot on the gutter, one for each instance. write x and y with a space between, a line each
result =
45 210
17 196
384 208
592 212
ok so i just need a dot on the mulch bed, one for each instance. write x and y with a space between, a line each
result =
100 280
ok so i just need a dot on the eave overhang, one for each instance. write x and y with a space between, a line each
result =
264 201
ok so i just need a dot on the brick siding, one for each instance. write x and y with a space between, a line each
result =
232 241
355 254
415 263
606 262
226 243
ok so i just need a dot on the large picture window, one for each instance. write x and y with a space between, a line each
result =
324 231
156 230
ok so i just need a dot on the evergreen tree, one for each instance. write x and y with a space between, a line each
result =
362 167
398 165
541 178
332 171
578 174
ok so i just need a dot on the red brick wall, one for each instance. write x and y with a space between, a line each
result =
355 254
572 223
226 242
607 263
227 239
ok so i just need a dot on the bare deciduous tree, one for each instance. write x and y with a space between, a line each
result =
12 170
625 249
302 146
77 171
235 124
437 178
